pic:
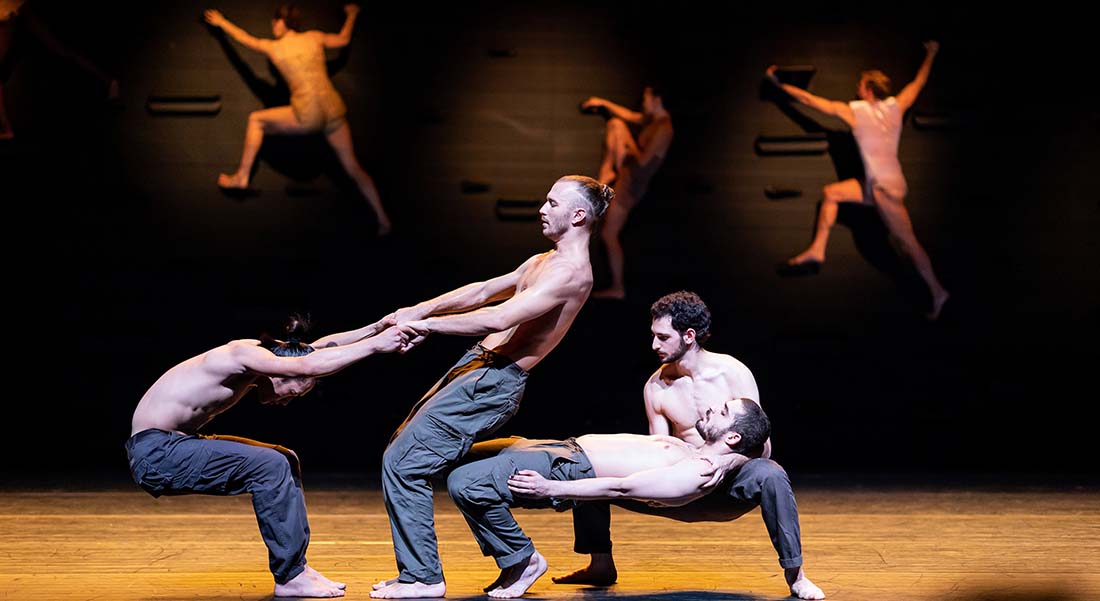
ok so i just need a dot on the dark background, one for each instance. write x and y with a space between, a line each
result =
125 258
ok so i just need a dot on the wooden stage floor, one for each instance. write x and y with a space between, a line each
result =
862 541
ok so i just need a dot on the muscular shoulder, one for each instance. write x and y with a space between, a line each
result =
568 273
227 357
659 380
657 389
736 373
729 364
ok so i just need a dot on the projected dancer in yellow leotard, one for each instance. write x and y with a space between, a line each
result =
315 106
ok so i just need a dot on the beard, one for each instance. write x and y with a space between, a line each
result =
555 229
709 434
677 354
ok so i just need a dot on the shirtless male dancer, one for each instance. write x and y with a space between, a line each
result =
660 469
689 382
876 120
169 457
315 106
483 390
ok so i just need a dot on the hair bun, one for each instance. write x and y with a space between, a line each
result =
296 326
608 193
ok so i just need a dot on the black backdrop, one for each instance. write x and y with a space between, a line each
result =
125 258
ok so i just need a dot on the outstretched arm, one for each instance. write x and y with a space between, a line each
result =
616 110
218 20
675 485
909 93
344 338
555 286
322 362
829 107
470 296
339 40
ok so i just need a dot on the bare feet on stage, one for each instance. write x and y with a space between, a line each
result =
801 586
392 589
339 585
383 583
310 583
600 571
515 581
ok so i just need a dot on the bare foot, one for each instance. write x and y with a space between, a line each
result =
112 90
410 590
339 585
807 256
801 586
383 583
616 293
7 135
517 579
237 180
600 571
937 306
308 584
384 227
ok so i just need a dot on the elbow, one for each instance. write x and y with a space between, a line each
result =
482 297
498 323
497 320
620 490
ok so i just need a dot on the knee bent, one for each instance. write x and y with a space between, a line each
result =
273 464
458 484
617 125
391 460
616 122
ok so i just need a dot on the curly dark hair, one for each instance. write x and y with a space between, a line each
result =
687 310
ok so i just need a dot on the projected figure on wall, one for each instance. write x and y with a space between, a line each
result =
628 164
168 456
876 120
315 106
20 15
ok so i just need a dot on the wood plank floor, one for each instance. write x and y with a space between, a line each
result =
860 543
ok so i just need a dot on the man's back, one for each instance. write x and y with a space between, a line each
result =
192 392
